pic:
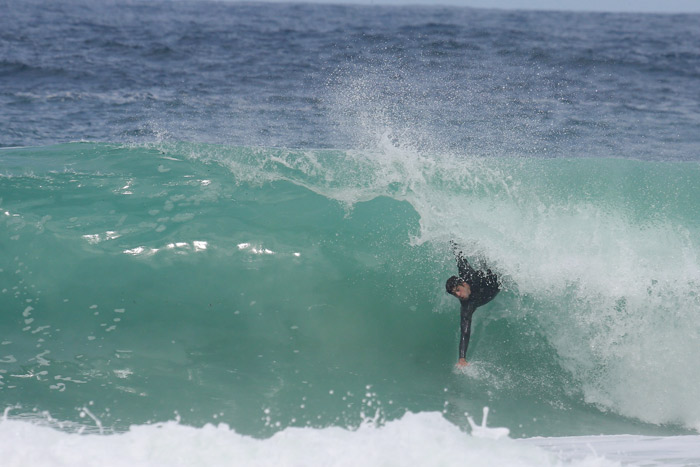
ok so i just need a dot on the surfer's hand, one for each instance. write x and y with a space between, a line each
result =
462 362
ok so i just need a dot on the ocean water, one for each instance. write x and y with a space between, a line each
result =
225 227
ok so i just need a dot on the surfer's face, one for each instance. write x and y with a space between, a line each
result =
462 291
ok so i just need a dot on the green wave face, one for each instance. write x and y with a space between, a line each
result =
269 288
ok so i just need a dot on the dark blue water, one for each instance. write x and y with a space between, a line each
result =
477 81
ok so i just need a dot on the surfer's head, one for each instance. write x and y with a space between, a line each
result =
457 287
452 286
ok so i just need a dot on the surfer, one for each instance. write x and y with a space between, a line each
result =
473 289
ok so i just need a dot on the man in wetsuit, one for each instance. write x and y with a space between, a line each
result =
473 289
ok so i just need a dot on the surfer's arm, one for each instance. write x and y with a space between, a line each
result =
465 331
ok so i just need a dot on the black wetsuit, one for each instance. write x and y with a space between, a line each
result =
484 287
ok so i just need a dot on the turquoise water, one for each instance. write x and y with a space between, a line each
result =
271 288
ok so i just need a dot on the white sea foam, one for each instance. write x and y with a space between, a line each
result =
416 439
628 449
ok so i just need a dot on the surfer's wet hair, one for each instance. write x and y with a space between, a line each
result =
452 284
